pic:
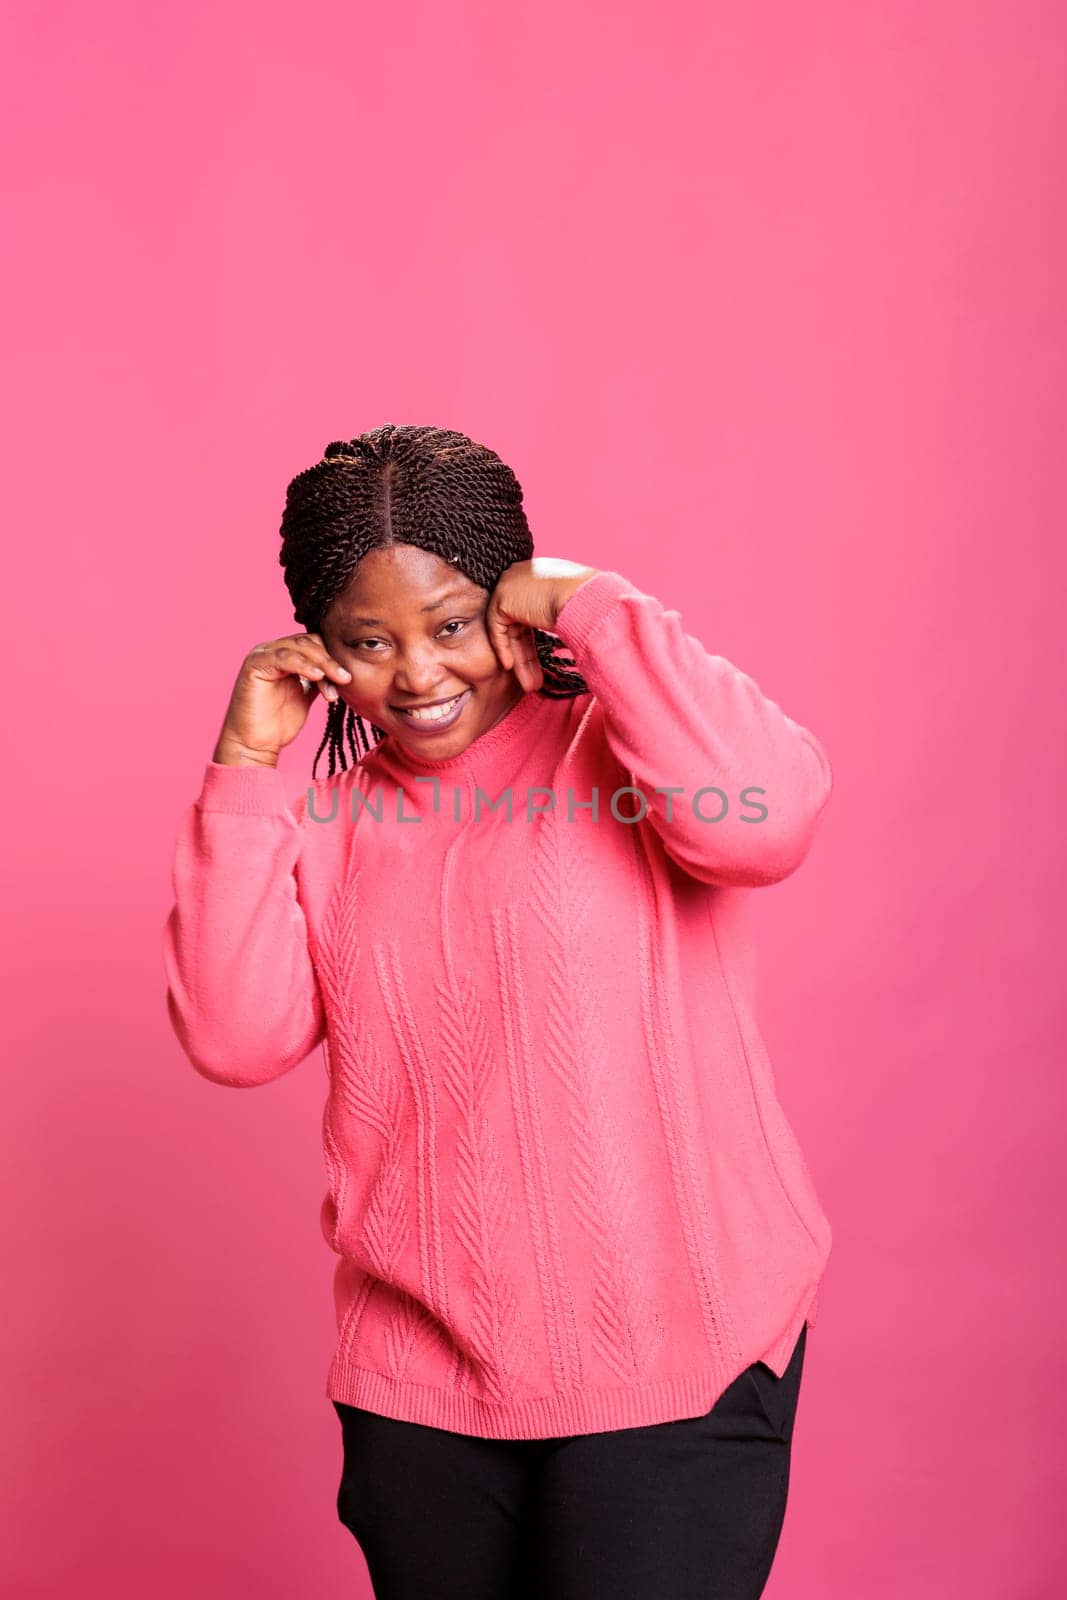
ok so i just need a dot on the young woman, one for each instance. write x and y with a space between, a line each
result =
579 1247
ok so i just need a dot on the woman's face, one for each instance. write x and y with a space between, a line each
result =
411 631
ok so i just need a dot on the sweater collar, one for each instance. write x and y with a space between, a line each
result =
483 754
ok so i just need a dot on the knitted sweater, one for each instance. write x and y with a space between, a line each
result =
562 1192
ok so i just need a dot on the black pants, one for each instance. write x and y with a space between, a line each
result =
685 1509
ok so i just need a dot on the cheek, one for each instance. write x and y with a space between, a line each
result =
483 662
368 687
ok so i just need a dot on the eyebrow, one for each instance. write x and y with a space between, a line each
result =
434 605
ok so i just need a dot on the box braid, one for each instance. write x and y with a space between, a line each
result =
429 487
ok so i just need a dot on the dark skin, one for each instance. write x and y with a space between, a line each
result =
472 643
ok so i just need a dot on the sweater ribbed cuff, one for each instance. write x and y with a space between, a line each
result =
591 604
248 791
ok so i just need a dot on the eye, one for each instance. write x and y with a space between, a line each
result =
458 623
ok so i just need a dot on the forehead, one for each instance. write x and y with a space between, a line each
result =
400 581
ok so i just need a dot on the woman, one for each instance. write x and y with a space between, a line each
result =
579 1248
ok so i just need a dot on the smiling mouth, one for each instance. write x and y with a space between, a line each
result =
427 716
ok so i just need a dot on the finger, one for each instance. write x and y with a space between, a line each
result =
334 668
528 667
497 629
310 662
518 636
327 690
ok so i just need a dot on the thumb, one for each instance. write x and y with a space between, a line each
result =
499 630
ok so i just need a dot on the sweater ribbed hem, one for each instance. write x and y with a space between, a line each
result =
591 604
780 1353
554 1416
247 791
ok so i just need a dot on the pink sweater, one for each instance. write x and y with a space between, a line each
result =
562 1192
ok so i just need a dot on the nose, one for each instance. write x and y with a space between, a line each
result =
418 672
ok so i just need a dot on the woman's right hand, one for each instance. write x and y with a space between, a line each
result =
269 705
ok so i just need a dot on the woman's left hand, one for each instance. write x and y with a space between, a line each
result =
528 595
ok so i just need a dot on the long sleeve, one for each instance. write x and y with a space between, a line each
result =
677 717
241 989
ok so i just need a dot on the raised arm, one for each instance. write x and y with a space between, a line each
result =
241 990
678 717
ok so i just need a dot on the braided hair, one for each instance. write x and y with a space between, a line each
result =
429 487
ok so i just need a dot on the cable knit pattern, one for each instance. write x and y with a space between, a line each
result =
562 1193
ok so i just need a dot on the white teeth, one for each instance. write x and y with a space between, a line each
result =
434 713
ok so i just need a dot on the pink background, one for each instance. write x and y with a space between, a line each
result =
764 305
